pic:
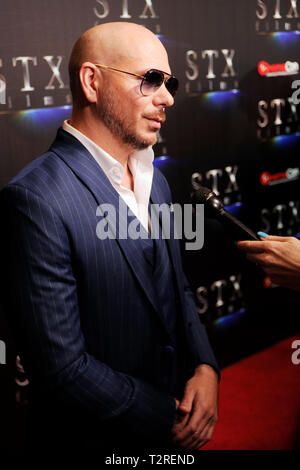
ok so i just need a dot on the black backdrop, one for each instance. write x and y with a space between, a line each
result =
233 128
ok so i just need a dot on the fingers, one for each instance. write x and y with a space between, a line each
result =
275 238
181 419
265 236
261 246
252 247
200 405
187 401
179 423
197 428
258 258
204 437
196 437
267 246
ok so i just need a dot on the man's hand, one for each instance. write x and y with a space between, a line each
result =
198 410
279 257
181 419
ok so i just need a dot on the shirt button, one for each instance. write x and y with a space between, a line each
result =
116 171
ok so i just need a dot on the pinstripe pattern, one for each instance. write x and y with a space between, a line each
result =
84 310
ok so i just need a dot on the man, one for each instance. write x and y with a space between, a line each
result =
107 327
279 257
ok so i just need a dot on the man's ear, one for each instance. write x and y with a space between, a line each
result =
89 80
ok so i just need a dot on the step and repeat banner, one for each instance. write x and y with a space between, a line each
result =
235 127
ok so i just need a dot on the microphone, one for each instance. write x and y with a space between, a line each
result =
215 208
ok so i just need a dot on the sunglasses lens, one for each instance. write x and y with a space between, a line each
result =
172 85
152 81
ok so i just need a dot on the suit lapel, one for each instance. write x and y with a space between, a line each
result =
158 197
84 166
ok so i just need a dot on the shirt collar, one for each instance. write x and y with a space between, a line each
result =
141 160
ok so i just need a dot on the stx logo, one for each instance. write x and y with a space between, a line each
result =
24 65
222 297
262 10
279 116
54 67
282 219
102 9
221 181
219 65
276 15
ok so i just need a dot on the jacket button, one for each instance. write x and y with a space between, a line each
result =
169 349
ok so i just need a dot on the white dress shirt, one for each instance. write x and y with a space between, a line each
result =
140 165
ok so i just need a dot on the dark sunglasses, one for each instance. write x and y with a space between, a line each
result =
152 80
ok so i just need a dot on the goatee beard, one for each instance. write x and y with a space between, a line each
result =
118 125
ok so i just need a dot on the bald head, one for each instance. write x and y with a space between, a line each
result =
113 44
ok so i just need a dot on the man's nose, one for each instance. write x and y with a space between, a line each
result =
163 97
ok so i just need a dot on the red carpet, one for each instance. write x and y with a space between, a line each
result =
259 406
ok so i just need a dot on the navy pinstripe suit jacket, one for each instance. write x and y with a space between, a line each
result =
85 314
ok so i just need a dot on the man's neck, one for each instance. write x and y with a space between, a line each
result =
99 134
127 180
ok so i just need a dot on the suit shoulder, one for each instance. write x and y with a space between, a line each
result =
41 182
31 174
45 177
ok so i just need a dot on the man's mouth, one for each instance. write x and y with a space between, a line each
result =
156 121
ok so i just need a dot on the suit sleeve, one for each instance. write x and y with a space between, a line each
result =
41 299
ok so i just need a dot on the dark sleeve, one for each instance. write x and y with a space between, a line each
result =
41 299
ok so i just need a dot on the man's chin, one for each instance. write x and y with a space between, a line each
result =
152 139
147 141
142 141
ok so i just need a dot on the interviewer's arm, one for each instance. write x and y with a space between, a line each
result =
279 257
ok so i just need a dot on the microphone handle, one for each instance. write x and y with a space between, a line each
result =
250 234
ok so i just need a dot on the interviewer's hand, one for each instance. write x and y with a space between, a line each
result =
279 257
198 409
